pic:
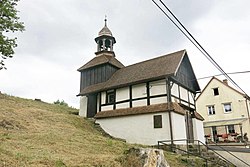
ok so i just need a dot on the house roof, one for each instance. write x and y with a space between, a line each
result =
214 78
156 68
156 108
102 58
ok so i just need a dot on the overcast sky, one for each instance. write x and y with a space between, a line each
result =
59 38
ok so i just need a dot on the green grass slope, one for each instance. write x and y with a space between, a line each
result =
38 134
35 133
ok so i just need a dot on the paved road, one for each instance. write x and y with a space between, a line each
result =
230 148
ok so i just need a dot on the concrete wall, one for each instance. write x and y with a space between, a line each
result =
138 129
198 130
179 127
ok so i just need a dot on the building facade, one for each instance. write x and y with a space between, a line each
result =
142 103
225 110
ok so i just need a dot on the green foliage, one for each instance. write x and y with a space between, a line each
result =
9 23
62 103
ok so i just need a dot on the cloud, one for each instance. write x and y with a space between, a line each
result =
59 38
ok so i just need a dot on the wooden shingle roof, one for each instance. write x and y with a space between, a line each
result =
156 68
102 59
156 108
163 107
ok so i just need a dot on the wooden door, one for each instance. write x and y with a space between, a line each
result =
92 105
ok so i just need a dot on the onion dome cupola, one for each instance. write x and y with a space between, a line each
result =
105 40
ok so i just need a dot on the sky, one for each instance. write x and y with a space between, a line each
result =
59 38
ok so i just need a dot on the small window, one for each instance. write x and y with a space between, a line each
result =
231 129
227 107
110 96
157 121
211 110
216 91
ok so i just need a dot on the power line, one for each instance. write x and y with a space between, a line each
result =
191 38
241 72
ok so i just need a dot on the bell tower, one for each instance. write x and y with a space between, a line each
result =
105 40
97 71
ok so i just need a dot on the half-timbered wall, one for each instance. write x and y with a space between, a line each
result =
136 95
144 94
181 95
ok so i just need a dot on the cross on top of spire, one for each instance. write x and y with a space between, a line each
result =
105 20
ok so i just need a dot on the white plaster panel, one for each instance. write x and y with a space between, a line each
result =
137 129
179 127
122 105
174 90
183 93
158 100
191 97
138 103
185 103
122 94
83 106
175 99
98 102
157 87
198 130
139 91
105 108
103 97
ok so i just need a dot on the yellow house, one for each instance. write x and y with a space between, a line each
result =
225 110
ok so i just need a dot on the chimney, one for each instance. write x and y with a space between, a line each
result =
225 81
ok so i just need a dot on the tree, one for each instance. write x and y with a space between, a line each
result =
9 23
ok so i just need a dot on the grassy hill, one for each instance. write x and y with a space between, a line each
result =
34 133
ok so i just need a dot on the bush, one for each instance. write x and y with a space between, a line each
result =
63 103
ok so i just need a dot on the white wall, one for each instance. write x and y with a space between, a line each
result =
198 130
83 106
108 107
157 87
138 103
158 100
139 90
122 105
179 127
103 97
137 129
122 94
175 90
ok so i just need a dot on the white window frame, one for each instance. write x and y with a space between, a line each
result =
210 111
224 108
231 128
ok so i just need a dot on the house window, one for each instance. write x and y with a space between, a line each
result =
157 121
110 96
216 91
211 110
231 129
227 107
